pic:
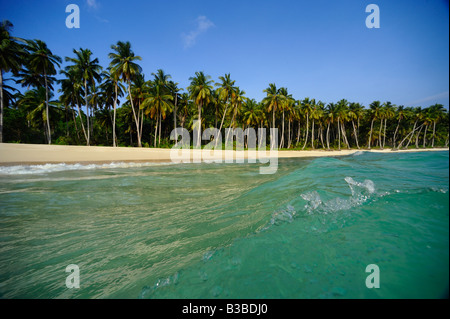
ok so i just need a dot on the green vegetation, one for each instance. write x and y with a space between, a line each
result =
87 111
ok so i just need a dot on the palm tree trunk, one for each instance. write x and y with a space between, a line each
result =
417 137
223 118
410 135
425 137
76 126
312 134
328 136
396 130
434 133
298 132
199 134
410 138
175 117
289 134
345 135
156 130
384 137
339 133
307 130
159 135
87 112
282 132
49 134
370 134
142 118
1 106
232 125
114 116
321 135
356 135
81 120
134 114
379 135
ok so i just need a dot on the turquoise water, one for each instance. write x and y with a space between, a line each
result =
225 231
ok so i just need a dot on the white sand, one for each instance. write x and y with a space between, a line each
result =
38 154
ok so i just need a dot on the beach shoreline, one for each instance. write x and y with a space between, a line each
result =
38 154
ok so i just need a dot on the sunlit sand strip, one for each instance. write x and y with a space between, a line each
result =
28 154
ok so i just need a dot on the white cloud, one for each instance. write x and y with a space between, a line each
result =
433 98
203 24
92 3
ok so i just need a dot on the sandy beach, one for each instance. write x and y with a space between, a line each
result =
14 154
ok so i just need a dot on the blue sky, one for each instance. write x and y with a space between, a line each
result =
318 49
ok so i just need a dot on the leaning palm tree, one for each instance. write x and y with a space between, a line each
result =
354 114
400 115
200 90
224 93
123 66
88 71
41 60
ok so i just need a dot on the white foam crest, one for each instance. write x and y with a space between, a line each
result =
358 153
60 167
283 216
361 192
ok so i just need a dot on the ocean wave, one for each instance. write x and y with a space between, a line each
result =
358 153
361 193
60 167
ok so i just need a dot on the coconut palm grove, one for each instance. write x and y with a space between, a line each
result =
121 105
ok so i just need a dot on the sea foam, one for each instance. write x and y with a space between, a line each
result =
60 167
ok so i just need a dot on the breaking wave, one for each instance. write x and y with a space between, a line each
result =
52 168
361 193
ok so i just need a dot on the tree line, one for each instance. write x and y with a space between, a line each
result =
88 110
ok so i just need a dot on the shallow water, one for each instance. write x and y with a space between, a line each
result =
225 231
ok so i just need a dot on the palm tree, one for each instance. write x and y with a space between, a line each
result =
224 92
291 111
173 89
41 60
38 107
139 88
72 92
437 113
375 113
354 113
88 71
272 101
400 114
330 116
200 90
428 119
389 113
123 66
237 98
157 104
307 108
341 112
112 89
11 53
284 106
